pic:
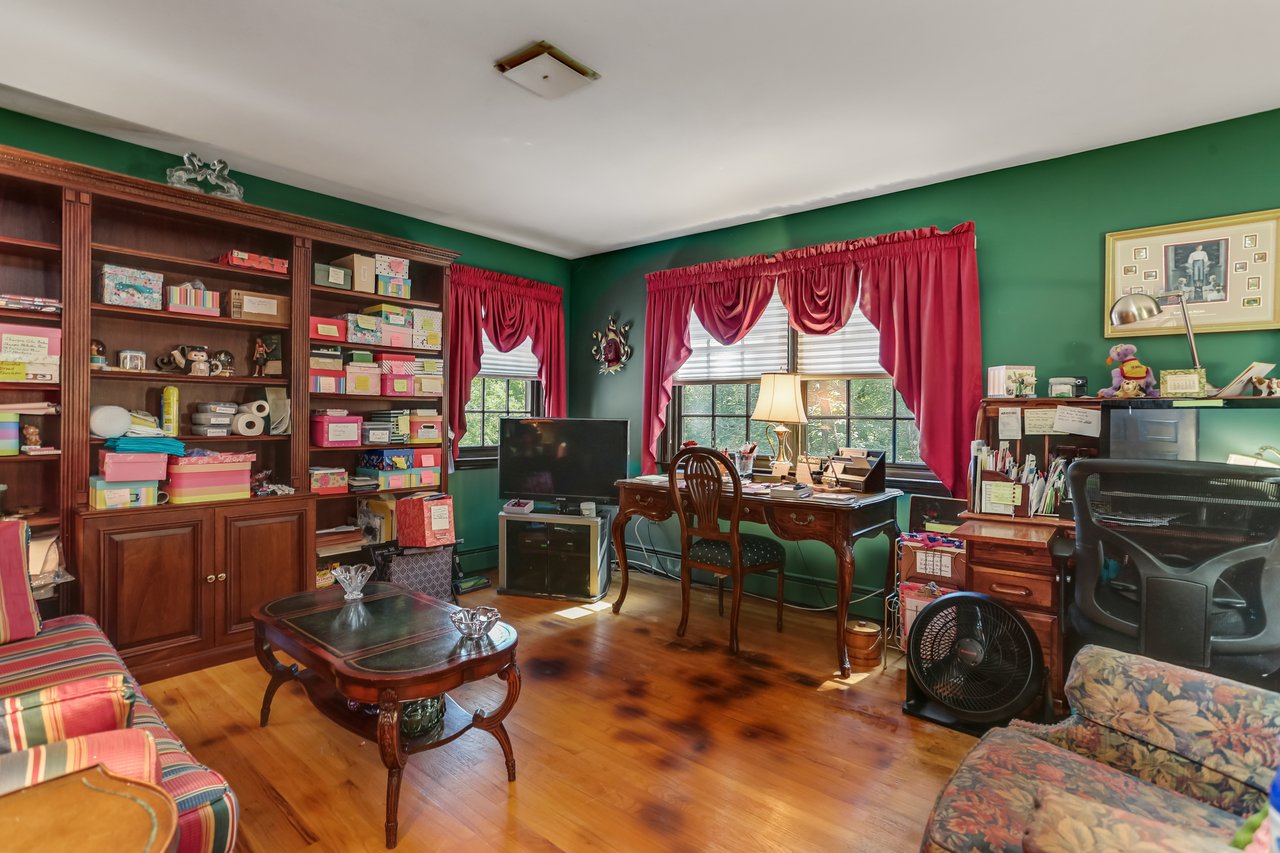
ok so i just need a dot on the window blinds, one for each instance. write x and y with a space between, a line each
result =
763 350
520 363
854 350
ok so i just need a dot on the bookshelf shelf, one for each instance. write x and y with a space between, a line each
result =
160 262
174 317
336 295
28 248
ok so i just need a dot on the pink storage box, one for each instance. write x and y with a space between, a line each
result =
23 341
426 457
396 336
364 379
395 385
122 467
399 363
217 480
336 430
212 462
328 329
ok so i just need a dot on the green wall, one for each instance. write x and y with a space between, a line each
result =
1041 230
475 491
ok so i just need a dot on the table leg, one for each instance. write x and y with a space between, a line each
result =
279 673
492 722
393 756
844 589
619 533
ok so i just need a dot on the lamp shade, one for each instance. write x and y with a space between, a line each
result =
1134 308
779 400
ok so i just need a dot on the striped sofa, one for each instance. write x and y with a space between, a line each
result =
72 648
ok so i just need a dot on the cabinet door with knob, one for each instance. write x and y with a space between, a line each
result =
147 579
263 552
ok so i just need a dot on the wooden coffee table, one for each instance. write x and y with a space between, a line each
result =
390 647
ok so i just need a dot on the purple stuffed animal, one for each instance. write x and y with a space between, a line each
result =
1128 367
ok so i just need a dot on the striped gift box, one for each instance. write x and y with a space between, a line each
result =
187 299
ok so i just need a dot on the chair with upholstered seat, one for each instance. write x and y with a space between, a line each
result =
705 487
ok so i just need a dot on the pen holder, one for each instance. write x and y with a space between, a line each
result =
744 462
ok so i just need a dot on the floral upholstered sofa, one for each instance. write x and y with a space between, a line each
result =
1154 757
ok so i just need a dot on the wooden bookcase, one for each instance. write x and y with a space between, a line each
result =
173 585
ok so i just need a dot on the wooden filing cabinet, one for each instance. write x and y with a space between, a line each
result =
1010 561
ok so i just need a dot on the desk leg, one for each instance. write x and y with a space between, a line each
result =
393 756
492 722
619 533
844 590
279 672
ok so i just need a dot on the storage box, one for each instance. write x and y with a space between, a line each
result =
362 271
423 522
189 299
426 319
325 358
400 364
130 287
254 261
398 459
431 366
426 477
424 430
426 457
428 386
11 434
396 336
329 481
126 467
328 381
390 265
210 431
363 329
323 275
359 356
375 433
1011 380
364 379
938 559
217 477
393 285
396 385
394 315
329 329
336 430
389 479
424 341
123 494
263 307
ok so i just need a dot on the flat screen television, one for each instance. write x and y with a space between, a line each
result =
561 459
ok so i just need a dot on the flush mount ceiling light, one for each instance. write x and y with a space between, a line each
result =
544 69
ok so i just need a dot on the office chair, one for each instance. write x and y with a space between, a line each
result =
1178 561
712 489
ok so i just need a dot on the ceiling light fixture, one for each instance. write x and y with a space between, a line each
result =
545 70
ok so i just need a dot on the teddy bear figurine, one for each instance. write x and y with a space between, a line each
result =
1129 388
30 435
1125 357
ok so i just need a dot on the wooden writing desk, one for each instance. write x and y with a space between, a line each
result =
839 525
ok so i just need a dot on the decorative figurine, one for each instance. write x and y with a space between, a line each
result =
1128 389
1129 367
194 170
611 348
97 354
30 435
1265 387
228 362
191 359
260 353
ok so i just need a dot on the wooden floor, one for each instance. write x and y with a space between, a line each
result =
625 737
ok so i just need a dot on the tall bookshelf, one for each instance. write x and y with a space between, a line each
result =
173 585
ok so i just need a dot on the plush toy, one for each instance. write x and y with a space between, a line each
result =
1130 368
1129 388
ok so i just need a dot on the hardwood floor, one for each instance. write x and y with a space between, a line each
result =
626 738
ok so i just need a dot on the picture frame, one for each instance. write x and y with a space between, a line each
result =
1188 382
1211 263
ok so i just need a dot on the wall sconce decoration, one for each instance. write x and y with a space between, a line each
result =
611 348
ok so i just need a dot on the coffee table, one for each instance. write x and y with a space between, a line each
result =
390 647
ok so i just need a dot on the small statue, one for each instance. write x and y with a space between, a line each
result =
1129 368
228 362
260 353
219 176
30 435
1129 388
97 349
194 170
191 359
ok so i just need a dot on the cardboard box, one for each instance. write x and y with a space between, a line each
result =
263 307
336 430
390 265
328 381
362 271
189 299
364 379
324 275
393 285
328 481
424 522
363 329
130 288
105 494
329 329
323 357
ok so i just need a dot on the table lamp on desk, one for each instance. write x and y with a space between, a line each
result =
1136 307
780 404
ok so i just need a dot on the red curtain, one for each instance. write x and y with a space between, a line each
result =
508 309
919 288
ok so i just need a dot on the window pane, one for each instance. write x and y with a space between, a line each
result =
695 399
731 399
871 435
696 429
731 433
491 424
477 389
826 398
758 432
908 442
901 407
495 395
871 397
518 395
474 432
753 394
824 437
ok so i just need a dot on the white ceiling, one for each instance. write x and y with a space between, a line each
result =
708 112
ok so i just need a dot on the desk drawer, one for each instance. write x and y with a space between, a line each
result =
801 522
1023 589
1010 554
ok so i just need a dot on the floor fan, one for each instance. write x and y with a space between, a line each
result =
972 663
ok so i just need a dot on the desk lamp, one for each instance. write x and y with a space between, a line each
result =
780 404
1136 307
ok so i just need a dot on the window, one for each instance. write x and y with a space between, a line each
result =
859 412
507 386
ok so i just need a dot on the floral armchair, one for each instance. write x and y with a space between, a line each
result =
1154 756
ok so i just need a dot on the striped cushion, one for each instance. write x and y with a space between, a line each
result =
64 711
71 648
128 752
19 619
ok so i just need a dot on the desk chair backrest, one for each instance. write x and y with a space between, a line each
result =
704 484
1181 557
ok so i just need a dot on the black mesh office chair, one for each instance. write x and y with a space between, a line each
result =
1179 561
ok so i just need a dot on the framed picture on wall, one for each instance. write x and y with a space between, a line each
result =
1211 263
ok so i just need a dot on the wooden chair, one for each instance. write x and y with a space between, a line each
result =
711 489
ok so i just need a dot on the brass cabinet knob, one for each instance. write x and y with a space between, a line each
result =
209 579
222 576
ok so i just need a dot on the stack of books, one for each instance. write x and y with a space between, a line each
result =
18 302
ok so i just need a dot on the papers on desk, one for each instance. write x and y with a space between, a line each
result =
1010 423
1078 420
658 479
1039 421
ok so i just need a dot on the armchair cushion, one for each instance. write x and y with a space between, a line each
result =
128 752
1224 725
19 618
65 711
1064 823
756 551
